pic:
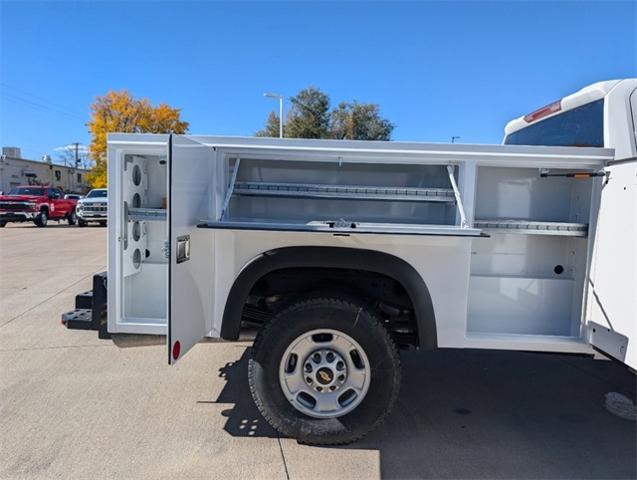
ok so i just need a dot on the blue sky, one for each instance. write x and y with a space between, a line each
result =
437 69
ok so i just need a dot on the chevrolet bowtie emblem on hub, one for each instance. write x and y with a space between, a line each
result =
324 376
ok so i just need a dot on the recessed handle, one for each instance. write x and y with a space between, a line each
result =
183 248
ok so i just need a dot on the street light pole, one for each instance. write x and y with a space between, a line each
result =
454 138
281 116
280 97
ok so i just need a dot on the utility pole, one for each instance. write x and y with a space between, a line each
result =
77 156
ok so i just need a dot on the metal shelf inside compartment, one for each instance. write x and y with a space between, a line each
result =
354 192
533 227
146 214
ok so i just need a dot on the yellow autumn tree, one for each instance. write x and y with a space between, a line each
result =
121 112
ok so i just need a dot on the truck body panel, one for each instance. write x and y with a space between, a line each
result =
514 243
531 225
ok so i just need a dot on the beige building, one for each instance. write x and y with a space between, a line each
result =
15 170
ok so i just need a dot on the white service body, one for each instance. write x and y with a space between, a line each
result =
512 260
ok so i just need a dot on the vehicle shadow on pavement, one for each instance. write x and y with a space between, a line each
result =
486 414
244 419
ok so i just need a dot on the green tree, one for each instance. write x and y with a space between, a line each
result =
359 121
271 128
310 117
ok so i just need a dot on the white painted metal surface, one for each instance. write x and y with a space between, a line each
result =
520 305
441 251
612 281
136 303
522 287
191 287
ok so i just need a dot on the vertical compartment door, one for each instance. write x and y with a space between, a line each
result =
612 284
190 285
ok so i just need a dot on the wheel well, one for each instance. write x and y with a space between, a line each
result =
388 284
381 293
45 208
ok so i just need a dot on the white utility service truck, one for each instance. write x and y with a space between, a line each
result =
343 252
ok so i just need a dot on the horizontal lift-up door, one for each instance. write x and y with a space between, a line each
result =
190 173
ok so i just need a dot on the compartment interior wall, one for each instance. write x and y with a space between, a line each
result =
520 193
156 172
144 265
145 294
301 210
536 256
528 283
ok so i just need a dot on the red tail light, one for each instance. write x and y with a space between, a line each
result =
544 111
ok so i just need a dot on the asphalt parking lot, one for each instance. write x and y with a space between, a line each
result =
73 406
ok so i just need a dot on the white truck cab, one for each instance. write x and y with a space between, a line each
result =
343 252
600 115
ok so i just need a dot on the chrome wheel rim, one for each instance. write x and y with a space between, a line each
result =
324 373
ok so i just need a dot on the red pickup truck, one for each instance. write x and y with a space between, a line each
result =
38 204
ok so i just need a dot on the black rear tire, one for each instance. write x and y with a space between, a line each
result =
352 318
2 224
72 218
42 219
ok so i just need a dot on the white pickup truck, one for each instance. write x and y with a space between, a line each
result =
341 253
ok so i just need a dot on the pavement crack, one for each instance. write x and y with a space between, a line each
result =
49 298
58 347
285 464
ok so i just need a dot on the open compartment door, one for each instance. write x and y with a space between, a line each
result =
612 284
190 285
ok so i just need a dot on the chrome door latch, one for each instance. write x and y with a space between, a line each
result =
183 248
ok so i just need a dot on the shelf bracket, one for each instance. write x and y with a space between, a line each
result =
456 192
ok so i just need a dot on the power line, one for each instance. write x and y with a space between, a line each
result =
37 106
42 105
42 99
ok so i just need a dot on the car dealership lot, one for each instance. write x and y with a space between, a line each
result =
74 406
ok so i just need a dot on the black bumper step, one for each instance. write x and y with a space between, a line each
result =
80 318
84 300
90 309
